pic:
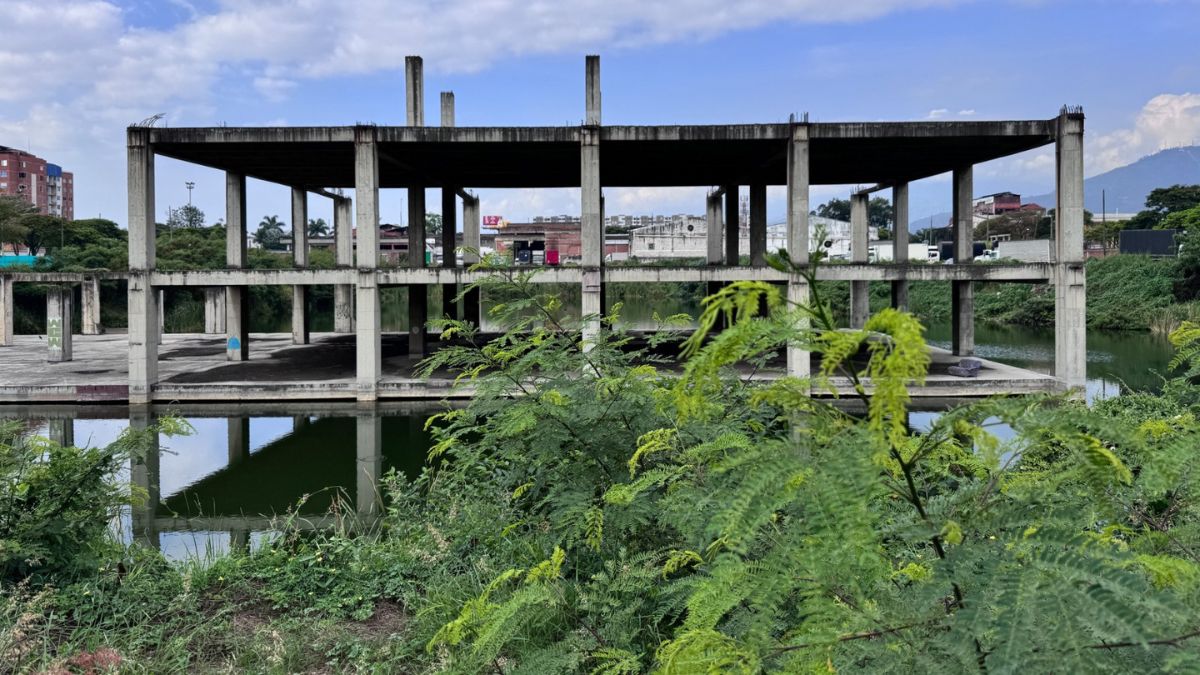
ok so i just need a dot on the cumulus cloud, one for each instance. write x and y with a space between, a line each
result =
1167 120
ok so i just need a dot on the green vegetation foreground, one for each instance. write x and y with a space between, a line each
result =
592 512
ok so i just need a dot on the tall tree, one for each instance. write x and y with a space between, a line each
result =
1162 202
269 232
12 211
186 216
318 228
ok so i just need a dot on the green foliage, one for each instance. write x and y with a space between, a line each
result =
597 507
56 502
1128 290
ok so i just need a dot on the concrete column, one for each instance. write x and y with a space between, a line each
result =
712 215
758 225
449 221
237 314
58 323
962 301
214 310
860 236
300 422
418 294
1070 298
414 90
590 196
144 473
6 311
343 294
900 242
238 439
90 302
300 258
733 226
798 358
143 313
471 246
447 108
449 246
368 465
162 314
368 347
62 431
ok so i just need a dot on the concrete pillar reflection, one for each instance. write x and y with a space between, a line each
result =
62 430
368 465
144 474
238 436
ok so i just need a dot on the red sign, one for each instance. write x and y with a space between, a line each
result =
491 221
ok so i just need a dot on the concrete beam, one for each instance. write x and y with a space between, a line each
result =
860 291
300 258
962 310
6 311
900 242
1070 284
90 307
343 293
59 317
758 225
237 310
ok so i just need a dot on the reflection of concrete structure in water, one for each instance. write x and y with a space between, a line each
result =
254 491
735 158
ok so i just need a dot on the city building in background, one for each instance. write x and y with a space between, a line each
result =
43 185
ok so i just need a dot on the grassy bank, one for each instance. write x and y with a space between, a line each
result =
633 521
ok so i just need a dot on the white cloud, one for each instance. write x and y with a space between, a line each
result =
1167 120
966 113
936 114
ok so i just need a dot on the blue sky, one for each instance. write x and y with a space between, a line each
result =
81 70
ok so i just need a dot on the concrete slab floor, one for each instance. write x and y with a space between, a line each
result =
193 367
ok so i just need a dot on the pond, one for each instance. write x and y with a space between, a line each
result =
220 486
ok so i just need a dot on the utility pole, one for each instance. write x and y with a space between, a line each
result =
189 184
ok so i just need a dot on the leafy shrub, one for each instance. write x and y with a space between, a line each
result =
56 502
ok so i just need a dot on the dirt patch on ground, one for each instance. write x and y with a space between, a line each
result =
388 619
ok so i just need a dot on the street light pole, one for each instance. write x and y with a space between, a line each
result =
189 184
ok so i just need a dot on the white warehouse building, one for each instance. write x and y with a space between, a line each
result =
687 237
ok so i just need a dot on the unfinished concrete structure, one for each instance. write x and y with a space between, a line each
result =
324 161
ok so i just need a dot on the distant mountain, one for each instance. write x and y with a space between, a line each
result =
1124 188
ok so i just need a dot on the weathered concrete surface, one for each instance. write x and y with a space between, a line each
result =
192 368
59 321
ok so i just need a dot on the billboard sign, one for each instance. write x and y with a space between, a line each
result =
491 221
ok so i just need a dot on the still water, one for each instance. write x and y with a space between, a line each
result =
219 486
